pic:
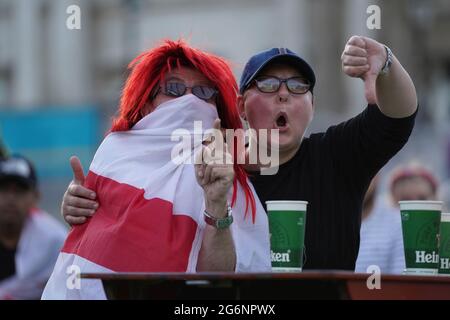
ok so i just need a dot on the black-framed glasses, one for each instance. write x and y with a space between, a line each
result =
295 85
178 89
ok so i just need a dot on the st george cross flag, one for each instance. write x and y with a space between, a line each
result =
150 215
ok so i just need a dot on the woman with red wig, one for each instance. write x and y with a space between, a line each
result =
155 214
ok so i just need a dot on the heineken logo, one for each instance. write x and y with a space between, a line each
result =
423 257
281 256
445 263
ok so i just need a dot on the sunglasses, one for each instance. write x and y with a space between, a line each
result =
296 85
178 89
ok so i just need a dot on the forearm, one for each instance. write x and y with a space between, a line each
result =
396 94
217 252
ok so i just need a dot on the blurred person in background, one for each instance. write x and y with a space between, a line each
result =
331 170
30 239
381 234
413 182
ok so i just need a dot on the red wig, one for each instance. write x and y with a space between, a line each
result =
147 72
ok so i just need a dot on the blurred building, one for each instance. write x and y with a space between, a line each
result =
43 63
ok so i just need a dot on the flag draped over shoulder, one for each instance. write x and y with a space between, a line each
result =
150 217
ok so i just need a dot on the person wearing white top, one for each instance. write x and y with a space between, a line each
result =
381 242
30 239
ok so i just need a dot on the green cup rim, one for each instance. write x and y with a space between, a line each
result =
286 205
421 205
445 216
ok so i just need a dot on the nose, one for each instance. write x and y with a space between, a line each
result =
283 93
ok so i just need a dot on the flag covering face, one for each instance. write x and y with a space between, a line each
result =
150 217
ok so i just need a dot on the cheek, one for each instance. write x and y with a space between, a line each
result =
302 117
257 112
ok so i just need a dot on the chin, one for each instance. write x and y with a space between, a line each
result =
289 143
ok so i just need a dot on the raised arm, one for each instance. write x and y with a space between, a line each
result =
394 91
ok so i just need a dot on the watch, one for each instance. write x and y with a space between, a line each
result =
219 223
389 59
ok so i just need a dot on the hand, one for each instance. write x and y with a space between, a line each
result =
215 174
78 202
364 58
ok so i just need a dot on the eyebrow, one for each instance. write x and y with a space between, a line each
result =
274 76
173 77
205 83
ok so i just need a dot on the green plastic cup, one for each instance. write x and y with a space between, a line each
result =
444 244
420 227
287 220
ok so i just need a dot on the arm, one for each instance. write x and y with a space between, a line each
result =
394 92
217 252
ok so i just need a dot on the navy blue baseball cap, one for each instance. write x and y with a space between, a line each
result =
282 55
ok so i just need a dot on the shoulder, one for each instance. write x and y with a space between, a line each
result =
387 213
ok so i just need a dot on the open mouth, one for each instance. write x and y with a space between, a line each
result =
281 120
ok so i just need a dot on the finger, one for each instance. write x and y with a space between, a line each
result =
357 41
355 51
77 212
199 156
80 191
222 158
228 158
207 155
354 61
370 88
77 168
81 203
207 175
208 140
199 171
356 71
228 155
220 173
210 137
75 220
216 173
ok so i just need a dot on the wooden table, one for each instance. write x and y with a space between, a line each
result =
273 286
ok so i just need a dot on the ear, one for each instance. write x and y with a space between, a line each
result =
241 106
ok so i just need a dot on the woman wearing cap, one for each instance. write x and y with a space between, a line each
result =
331 170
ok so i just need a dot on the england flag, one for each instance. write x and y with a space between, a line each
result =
150 215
